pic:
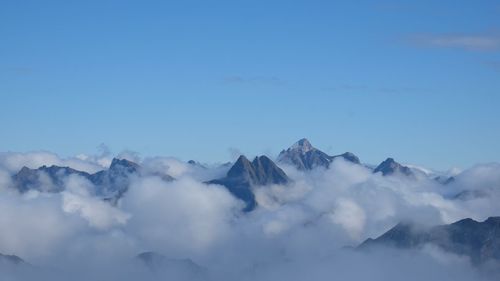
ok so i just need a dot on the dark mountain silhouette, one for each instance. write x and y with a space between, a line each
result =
306 157
245 174
478 240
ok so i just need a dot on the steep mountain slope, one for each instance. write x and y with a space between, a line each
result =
245 174
114 181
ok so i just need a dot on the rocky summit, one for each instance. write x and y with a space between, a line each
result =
390 167
245 174
304 156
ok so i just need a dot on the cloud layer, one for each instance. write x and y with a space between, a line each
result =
298 231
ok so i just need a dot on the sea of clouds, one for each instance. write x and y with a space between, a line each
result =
301 231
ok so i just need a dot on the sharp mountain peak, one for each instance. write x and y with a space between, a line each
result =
304 156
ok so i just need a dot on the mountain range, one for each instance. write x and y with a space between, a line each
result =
110 184
480 241
304 156
241 179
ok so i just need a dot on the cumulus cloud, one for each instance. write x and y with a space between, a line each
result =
298 231
33 225
78 198
350 216
180 216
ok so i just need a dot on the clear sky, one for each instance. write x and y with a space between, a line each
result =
415 80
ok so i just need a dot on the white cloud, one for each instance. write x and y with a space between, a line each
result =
78 199
350 216
296 232
180 216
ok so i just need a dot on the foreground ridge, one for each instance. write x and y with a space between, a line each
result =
480 241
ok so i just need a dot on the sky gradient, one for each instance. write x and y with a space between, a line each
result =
204 80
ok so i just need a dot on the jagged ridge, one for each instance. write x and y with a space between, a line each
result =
245 174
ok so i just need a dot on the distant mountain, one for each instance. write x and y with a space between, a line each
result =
478 240
390 167
306 157
156 262
47 179
110 183
245 174
115 181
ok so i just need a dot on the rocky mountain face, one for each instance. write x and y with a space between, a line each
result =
110 183
480 241
304 156
47 179
114 181
245 174
390 167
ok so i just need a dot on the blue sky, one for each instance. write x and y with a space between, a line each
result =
418 81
